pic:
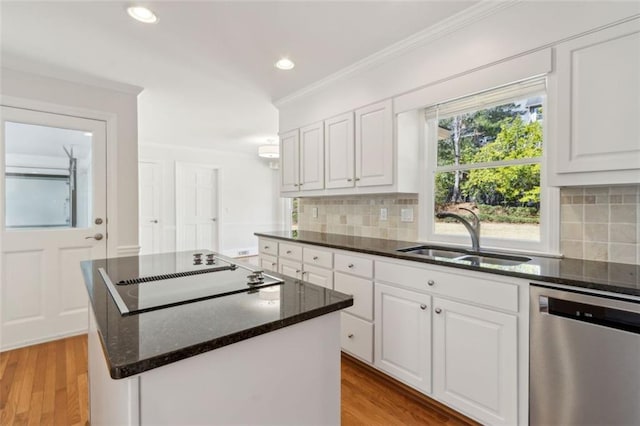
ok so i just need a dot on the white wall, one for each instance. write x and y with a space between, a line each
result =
467 44
119 101
249 198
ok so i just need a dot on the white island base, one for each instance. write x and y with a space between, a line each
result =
290 376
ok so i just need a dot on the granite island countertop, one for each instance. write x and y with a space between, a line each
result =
136 343
623 279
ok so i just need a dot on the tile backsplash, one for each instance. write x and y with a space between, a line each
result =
360 215
596 223
601 223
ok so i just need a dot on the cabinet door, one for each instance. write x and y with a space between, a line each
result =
362 291
318 276
475 367
289 165
290 268
268 263
598 85
403 335
312 157
374 145
339 151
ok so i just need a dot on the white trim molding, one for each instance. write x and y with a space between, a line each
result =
123 251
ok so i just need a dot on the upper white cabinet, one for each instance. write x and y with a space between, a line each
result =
374 145
289 161
339 151
596 87
302 159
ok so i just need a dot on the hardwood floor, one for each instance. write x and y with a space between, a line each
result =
46 384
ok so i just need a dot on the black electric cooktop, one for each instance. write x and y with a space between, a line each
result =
145 283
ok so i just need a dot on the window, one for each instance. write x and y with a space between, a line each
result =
485 154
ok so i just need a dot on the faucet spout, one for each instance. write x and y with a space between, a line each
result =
473 228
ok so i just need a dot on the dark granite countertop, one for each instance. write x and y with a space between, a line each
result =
136 343
581 274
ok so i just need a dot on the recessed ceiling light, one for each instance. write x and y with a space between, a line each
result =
285 64
142 14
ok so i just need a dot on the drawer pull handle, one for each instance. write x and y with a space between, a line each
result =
273 263
315 257
431 282
288 251
423 306
438 311
350 336
350 266
266 247
349 180
297 271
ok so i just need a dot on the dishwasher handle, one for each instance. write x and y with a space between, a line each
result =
593 314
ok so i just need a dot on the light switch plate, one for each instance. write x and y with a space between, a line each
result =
314 212
383 213
406 215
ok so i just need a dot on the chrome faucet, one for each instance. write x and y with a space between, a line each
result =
473 228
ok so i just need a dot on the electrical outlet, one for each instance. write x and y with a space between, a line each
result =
383 213
406 215
314 212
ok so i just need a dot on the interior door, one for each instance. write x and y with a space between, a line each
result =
150 178
196 207
53 215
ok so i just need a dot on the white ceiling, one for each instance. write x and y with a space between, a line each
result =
207 67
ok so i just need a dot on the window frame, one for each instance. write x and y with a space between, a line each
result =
548 243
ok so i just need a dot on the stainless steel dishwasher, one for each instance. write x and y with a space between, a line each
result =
584 359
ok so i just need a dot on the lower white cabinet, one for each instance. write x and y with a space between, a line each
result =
268 263
290 268
357 337
403 335
318 276
475 361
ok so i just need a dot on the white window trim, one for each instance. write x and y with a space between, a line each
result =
549 202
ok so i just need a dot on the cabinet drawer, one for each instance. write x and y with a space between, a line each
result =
357 337
290 251
475 289
269 247
316 257
290 268
354 265
362 291
318 276
268 263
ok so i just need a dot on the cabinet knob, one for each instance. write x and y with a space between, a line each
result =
273 263
300 184
357 179
266 247
438 311
431 282
288 251
350 266
296 184
349 180
423 306
297 271
315 257
350 336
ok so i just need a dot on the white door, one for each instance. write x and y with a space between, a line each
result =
196 207
289 162
374 144
403 335
475 361
150 178
53 193
312 157
339 151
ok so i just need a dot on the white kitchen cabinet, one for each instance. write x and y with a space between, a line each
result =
374 153
475 361
596 88
356 337
290 268
318 276
289 161
268 263
362 291
302 159
339 152
403 335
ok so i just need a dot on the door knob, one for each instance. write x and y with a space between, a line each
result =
95 237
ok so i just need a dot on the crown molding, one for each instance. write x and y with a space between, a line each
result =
477 12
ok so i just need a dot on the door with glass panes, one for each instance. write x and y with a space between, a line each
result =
53 215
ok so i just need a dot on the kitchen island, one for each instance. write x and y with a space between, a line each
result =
267 355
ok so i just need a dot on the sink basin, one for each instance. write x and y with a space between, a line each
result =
434 251
462 255
493 259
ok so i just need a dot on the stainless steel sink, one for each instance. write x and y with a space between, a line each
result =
464 256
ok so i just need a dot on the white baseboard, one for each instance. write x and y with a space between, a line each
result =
128 251
45 339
